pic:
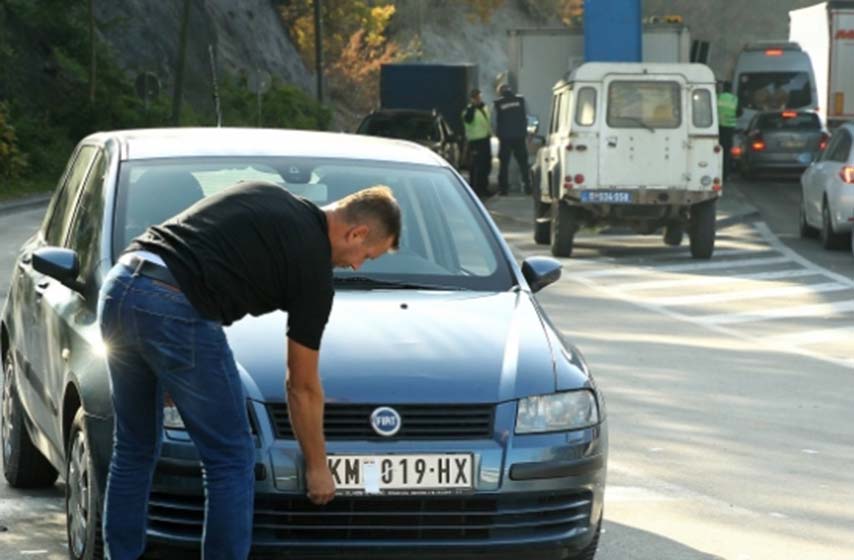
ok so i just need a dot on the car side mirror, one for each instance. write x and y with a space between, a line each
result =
60 264
540 272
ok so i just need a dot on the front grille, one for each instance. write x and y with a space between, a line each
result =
391 519
352 421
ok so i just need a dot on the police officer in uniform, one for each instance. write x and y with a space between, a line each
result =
727 112
512 128
478 132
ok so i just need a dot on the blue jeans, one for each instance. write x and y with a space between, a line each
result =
157 341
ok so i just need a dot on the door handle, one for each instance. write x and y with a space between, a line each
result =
41 286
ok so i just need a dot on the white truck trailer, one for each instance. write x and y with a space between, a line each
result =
825 32
539 57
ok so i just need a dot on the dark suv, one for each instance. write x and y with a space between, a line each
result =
427 128
782 141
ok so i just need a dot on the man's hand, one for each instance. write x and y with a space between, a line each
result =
321 487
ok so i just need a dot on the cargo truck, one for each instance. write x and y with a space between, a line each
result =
825 32
539 57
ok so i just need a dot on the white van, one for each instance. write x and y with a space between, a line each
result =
631 144
773 76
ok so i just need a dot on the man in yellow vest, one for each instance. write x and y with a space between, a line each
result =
727 109
478 132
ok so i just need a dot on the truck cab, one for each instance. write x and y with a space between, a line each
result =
630 144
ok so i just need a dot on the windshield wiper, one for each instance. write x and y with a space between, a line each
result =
375 284
639 121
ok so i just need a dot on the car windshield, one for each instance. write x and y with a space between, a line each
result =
405 127
445 242
774 91
785 121
647 105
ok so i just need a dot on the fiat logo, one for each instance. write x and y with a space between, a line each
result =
385 421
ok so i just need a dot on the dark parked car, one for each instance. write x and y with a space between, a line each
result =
780 141
427 128
441 370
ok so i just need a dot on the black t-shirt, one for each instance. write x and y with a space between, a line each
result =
511 117
252 248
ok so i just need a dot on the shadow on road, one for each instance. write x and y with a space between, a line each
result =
621 542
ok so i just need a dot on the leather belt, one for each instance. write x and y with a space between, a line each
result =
149 269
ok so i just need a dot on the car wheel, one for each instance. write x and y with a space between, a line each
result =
829 238
564 225
805 229
24 466
589 551
673 234
702 231
82 506
542 222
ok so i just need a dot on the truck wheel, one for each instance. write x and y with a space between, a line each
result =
806 230
702 232
542 222
24 466
829 238
82 505
564 226
673 234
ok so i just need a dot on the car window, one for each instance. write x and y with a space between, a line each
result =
774 91
585 106
63 204
637 104
701 108
842 150
445 239
85 234
553 120
557 112
788 121
402 126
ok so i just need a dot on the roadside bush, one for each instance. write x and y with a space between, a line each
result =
13 163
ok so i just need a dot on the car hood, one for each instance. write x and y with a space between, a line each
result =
403 346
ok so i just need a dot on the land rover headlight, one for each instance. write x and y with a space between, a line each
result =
572 410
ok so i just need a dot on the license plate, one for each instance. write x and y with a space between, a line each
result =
402 474
608 197
794 144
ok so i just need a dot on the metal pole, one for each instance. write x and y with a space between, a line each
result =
318 49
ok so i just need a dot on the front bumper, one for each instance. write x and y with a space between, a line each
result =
541 492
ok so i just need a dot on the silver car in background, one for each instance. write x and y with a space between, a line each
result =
827 186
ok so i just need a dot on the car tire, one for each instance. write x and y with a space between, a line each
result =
804 228
589 551
564 225
83 506
829 239
673 234
24 466
702 232
542 222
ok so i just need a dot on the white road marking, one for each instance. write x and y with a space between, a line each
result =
778 245
703 280
781 291
802 338
818 310
691 267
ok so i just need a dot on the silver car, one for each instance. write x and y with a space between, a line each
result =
827 202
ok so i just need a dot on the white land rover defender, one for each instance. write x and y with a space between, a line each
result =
630 144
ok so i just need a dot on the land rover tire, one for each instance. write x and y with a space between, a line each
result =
24 466
564 225
702 230
673 234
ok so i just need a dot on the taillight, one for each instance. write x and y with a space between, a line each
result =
569 147
579 179
736 151
773 52
567 182
717 148
758 145
822 144
789 114
847 174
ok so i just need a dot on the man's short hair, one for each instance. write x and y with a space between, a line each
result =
474 93
376 205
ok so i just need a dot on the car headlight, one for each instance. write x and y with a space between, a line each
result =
171 417
558 412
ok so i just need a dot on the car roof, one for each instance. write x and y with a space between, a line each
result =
597 71
190 142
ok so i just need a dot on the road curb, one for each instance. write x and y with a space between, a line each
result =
25 203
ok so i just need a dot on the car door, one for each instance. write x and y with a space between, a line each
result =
555 148
35 395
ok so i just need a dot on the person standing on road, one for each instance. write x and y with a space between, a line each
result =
727 108
511 120
251 249
478 132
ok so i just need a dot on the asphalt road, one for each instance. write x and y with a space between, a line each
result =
727 382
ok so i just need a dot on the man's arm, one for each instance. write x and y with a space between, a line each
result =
305 407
